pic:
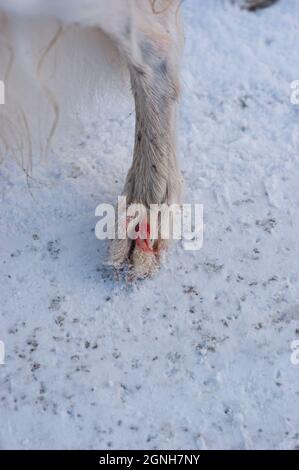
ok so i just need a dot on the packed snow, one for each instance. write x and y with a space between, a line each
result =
198 357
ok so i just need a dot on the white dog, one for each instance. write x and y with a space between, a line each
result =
148 35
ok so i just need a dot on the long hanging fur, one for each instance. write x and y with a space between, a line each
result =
37 58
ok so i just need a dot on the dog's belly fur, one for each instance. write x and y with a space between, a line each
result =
109 15
64 10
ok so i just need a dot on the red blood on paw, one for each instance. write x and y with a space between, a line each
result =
145 244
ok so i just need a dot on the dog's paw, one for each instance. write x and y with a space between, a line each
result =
142 264
139 258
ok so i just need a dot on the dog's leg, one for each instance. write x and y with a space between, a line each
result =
151 46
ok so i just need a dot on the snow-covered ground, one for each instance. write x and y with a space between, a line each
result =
199 356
